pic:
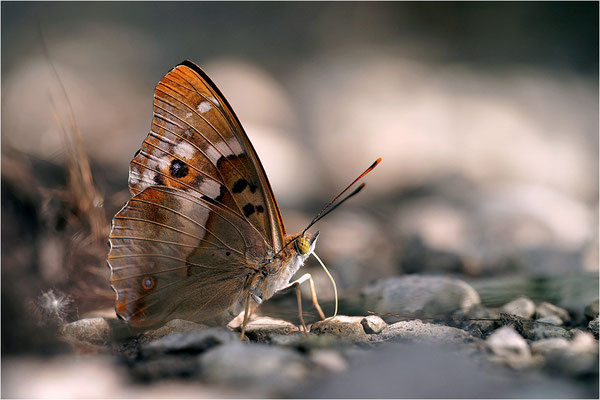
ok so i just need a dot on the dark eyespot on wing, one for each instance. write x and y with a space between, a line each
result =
178 169
260 209
148 282
239 185
248 210
159 180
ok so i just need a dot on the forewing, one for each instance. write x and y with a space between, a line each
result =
175 255
196 143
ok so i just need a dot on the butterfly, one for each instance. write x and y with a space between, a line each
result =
202 237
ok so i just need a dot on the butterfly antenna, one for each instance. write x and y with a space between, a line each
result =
326 209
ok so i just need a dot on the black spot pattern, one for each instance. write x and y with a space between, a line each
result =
158 179
260 209
178 169
248 210
239 185
228 253
253 188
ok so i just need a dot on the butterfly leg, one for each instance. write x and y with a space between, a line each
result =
299 297
246 317
313 292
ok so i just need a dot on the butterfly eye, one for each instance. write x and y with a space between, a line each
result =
148 282
302 245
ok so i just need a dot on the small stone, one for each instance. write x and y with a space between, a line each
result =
580 358
263 328
330 360
551 320
172 327
290 340
341 325
192 342
591 310
545 309
507 343
416 295
521 307
91 330
583 342
253 365
418 331
593 326
547 346
373 324
540 330
477 319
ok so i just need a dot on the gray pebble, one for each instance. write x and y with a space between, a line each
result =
580 358
416 295
545 309
373 324
341 325
521 307
91 330
547 346
477 319
418 331
192 342
541 330
255 366
506 343
262 329
171 327
551 320
329 360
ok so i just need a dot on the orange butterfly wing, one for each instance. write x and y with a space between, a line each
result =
197 143
203 215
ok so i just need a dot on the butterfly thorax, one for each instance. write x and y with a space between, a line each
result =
280 270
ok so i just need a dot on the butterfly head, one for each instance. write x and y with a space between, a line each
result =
305 244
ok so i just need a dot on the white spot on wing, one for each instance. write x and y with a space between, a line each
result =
204 107
210 188
211 98
147 178
185 150
213 154
163 163
134 176
235 146
222 149
188 115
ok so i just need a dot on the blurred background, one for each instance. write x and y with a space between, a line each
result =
485 114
